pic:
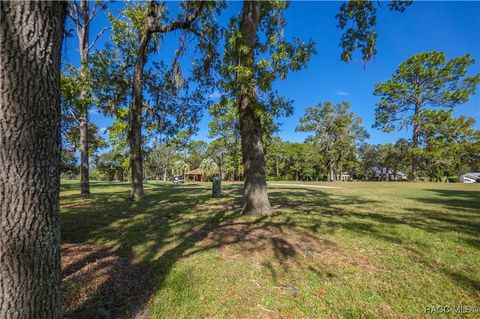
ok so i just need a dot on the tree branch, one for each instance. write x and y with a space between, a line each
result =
73 14
185 24
97 37
96 10
74 117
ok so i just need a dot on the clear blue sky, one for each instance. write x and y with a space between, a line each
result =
451 27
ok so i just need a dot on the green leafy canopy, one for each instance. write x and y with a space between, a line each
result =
358 18
274 55
423 80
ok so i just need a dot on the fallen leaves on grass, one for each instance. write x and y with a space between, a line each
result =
97 283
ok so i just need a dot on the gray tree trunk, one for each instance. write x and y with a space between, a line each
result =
416 131
330 171
165 173
83 35
30 150
255 193
84 166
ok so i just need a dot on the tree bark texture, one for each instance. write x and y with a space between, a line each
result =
135 121
30 150
255 187
83 35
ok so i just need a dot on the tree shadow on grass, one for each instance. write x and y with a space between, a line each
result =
454 212
458 199
172 223
175 222
165 218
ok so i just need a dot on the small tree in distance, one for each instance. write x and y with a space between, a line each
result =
82 15
335 130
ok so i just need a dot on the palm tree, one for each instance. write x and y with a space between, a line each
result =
180 167
209 167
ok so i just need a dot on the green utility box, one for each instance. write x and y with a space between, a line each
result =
217 187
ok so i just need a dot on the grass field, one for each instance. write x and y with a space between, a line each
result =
364 250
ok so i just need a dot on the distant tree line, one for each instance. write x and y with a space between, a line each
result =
449 147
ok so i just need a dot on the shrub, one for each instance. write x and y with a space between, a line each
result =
453 179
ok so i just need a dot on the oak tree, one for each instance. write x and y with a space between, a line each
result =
137 34
30 148
336 130
256 54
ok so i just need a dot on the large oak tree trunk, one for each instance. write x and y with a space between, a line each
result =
135 122
30 148
256 197
135 143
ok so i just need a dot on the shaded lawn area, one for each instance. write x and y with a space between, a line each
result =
362 250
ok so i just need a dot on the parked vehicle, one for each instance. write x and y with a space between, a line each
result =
178 180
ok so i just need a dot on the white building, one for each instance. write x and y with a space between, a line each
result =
470 178
381 172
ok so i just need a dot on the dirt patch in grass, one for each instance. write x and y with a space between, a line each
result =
97 283
281 245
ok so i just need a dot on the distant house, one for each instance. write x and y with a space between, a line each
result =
196 175
401 176
470 178
381 172
345 176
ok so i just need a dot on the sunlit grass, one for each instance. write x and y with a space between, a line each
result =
362 250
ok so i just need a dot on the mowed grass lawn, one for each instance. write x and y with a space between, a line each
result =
365 250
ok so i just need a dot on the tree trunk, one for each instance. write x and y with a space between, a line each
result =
330 171
84 168
83 34
30 151
415 144
135 121
236 170
276 167
165 172
135 143
256 197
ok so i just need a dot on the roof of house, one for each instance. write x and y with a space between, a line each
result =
196 171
